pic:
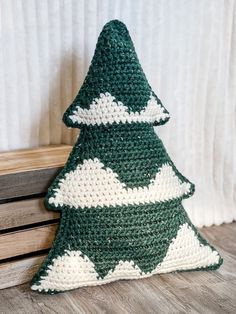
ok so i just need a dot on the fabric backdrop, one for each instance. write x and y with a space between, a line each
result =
188 52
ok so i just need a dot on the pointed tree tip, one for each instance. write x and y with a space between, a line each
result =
115 25
116 28
115 34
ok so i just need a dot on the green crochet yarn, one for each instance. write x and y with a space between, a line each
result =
119 193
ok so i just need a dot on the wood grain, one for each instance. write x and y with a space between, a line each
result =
30 172
27 183
33 159
26 212
186 292
26 241
17 272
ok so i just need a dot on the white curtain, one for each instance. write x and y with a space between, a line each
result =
188 52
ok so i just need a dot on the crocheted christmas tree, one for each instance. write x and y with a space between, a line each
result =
119 193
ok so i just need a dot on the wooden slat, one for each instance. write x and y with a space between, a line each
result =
27 241
20 271
30 172
33 159
26 212
26 183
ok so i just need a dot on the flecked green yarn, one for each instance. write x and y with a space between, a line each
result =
119 193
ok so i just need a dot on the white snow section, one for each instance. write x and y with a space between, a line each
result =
186 252
106 109
69 271
124 270
91 185
72 270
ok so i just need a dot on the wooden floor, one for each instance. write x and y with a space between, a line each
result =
190 292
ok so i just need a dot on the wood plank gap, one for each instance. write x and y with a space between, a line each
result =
22 198
24 256
24 228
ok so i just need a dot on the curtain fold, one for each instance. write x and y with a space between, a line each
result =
188 52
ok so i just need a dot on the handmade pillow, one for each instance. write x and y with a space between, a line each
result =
119 193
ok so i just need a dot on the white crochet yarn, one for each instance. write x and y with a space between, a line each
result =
106 109
186 253
91 185
73 270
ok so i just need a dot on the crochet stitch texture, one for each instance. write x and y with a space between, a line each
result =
119 193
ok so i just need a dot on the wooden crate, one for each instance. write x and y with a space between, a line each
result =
27 229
